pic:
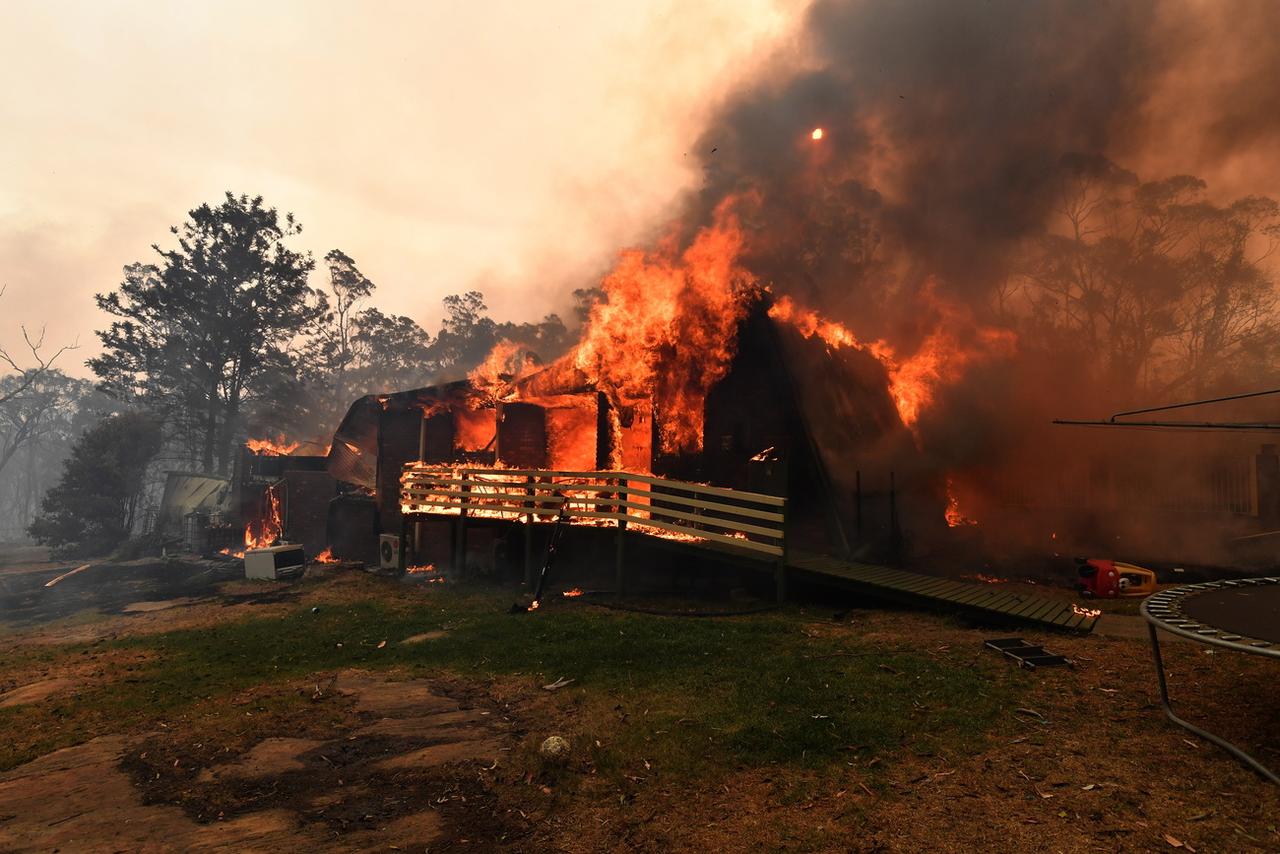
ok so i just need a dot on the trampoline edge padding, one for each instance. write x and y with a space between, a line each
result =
1242 614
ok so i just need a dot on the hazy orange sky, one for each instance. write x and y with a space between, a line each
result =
510 147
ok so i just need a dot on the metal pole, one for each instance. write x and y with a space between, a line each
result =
1207 736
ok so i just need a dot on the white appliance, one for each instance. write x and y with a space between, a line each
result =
389 551
275 562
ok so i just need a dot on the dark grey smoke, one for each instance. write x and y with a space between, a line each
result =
978 100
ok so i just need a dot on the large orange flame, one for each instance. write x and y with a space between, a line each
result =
940 359
505 364
265 530
666 327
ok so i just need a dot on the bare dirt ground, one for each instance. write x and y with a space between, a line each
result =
356 760
395 768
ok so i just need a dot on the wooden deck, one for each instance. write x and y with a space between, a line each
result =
911 588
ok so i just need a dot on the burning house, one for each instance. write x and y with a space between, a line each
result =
749 425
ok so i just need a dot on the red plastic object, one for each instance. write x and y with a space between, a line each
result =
1108 579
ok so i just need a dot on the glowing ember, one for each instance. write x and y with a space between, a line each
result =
573 594
326 556
533 606
1084 612
817 134
986 579
230 553
278 447
430 567
265 530
953 515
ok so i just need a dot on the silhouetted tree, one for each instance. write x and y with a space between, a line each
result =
39 363
37 429
1158 289
94 505
333 340
205 330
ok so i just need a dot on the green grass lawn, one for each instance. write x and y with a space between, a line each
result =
695 693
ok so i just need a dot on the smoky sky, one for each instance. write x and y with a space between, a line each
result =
944 121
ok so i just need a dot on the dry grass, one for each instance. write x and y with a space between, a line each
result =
889 730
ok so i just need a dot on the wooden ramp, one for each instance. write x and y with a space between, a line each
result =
911 588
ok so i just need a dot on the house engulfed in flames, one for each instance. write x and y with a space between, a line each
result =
687 367
785 413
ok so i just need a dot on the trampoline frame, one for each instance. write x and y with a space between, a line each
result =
1163 611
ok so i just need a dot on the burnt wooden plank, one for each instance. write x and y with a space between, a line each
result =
1001 603
1033 603
974 596
918 587
1046 608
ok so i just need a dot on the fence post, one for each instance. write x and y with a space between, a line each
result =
780 572
528 533
619 581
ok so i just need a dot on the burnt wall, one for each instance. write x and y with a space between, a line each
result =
398 437
522 435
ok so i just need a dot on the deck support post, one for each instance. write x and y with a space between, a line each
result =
460 535
401 561
780 571
857 503
528 534
619 580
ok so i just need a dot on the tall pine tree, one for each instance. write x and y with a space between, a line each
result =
199 332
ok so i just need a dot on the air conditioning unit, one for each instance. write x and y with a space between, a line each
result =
389 552
276 562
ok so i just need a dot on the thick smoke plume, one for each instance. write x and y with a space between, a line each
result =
946 127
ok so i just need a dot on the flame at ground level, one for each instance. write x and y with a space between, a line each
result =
264 531
955 518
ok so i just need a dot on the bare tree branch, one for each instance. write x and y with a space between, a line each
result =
40 366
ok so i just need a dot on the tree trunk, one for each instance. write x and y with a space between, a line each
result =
229 425
210 430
